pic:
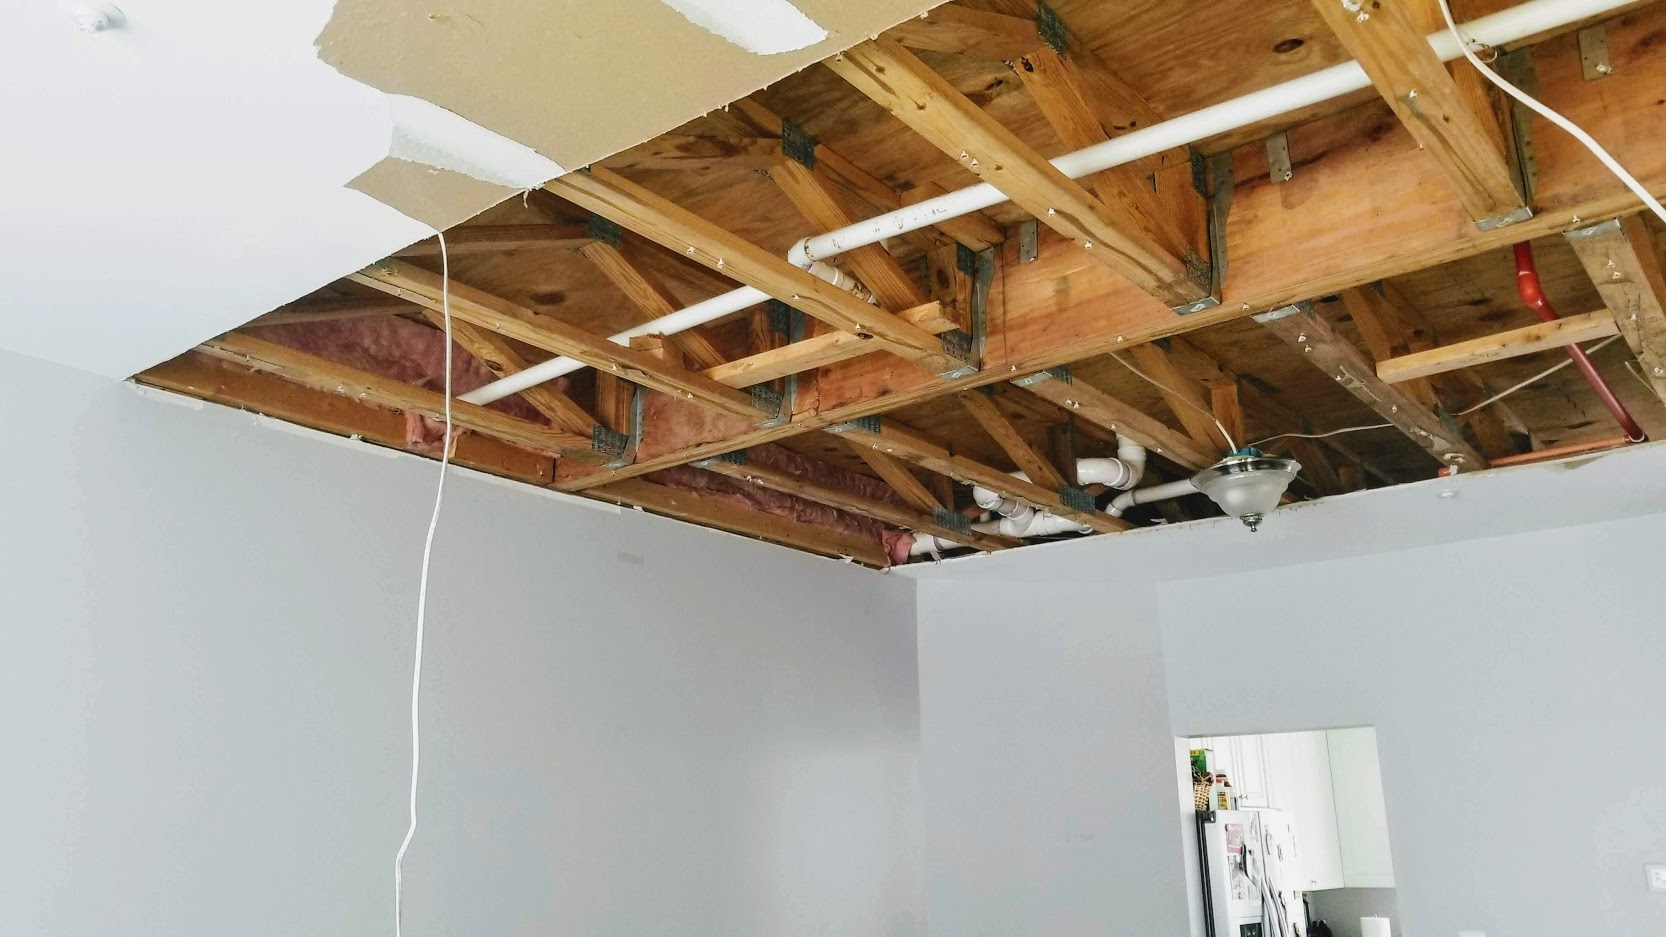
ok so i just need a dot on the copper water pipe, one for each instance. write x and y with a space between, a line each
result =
1533 294
1558 452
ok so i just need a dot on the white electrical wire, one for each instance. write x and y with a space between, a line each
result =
1550 115
1335 432
1174 394
422 600
1537 377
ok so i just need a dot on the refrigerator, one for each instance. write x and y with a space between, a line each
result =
1251 874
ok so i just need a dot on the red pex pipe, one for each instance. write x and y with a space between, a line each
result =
1533 294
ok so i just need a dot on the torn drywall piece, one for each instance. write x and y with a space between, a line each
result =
426 133
762 27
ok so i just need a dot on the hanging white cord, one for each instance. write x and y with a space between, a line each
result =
1230 445
1555 118
422 600
1537 377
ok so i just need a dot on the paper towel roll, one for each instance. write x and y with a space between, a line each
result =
1373 927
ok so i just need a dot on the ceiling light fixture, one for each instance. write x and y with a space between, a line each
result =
1247 484
96 16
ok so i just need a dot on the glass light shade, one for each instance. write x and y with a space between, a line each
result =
1247 487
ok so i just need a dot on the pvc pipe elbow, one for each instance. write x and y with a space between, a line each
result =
799 254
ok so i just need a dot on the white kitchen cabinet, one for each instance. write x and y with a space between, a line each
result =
1299 783
1251 780
1361 816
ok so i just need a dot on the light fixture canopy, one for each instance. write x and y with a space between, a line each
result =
1247 484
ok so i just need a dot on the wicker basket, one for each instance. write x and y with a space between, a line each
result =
1200 793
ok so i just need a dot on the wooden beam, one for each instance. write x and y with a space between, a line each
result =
957 30
478 239
627 204
330 310
223 382
1621 259
715 512
651 297
844 500
1058 310
988 414
895 472
376 390
1185 399
1540 336
902 84
818 351
909 445
1319 344
1095 406
499 357
1228 406
1390 45
876 268
499 315
673 151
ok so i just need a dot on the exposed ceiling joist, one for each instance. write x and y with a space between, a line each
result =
1318 343
898 81
477 239
1527 340
499 315
830 347
1622 261
631 206
498 356
895 472
1391 46
877 270
650 296
376 390
988 415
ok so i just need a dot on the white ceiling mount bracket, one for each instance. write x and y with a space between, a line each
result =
96 16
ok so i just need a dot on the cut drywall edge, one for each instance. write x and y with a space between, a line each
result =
426 133
762 27
549 493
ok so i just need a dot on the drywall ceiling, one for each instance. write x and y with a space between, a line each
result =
1622 483
174 177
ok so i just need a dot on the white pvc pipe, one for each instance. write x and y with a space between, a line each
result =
1517 22
1163 492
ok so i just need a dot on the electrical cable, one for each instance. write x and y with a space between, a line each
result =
1636 370
1334 432
422 600
1537 377
1544 111
1176 395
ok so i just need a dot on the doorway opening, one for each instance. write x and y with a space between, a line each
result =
1291 836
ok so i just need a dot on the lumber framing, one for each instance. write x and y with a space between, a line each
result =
895 472
500 358
480 308
1103 410
711 512
330 310
1527 340
829 347
631 206
877 270
697 151
988 415
1319 344
376 390
1389 44
884 511
649 294
894 439
898 81
478 239
1621 259
1185 399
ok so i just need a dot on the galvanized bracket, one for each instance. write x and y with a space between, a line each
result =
738 457
622 446
1213 176
601 229
1051 29
1611 226
1060 373
1029 241
1303 308
1076 499
1278 158
797 145
969 346
787 322
1517 68
1593 53
769 400
954 520
1505 220
865 424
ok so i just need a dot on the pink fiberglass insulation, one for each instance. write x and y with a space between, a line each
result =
398 348
758 498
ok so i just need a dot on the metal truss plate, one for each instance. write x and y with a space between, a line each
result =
1060 373
1593 53
798 145
866 424
1076 499
605 231
954 520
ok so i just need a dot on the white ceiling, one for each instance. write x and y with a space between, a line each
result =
170 179
1519 499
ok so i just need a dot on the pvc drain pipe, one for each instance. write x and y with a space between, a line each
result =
1517 22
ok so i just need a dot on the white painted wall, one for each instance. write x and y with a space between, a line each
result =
633 726
1049 769
1515 685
